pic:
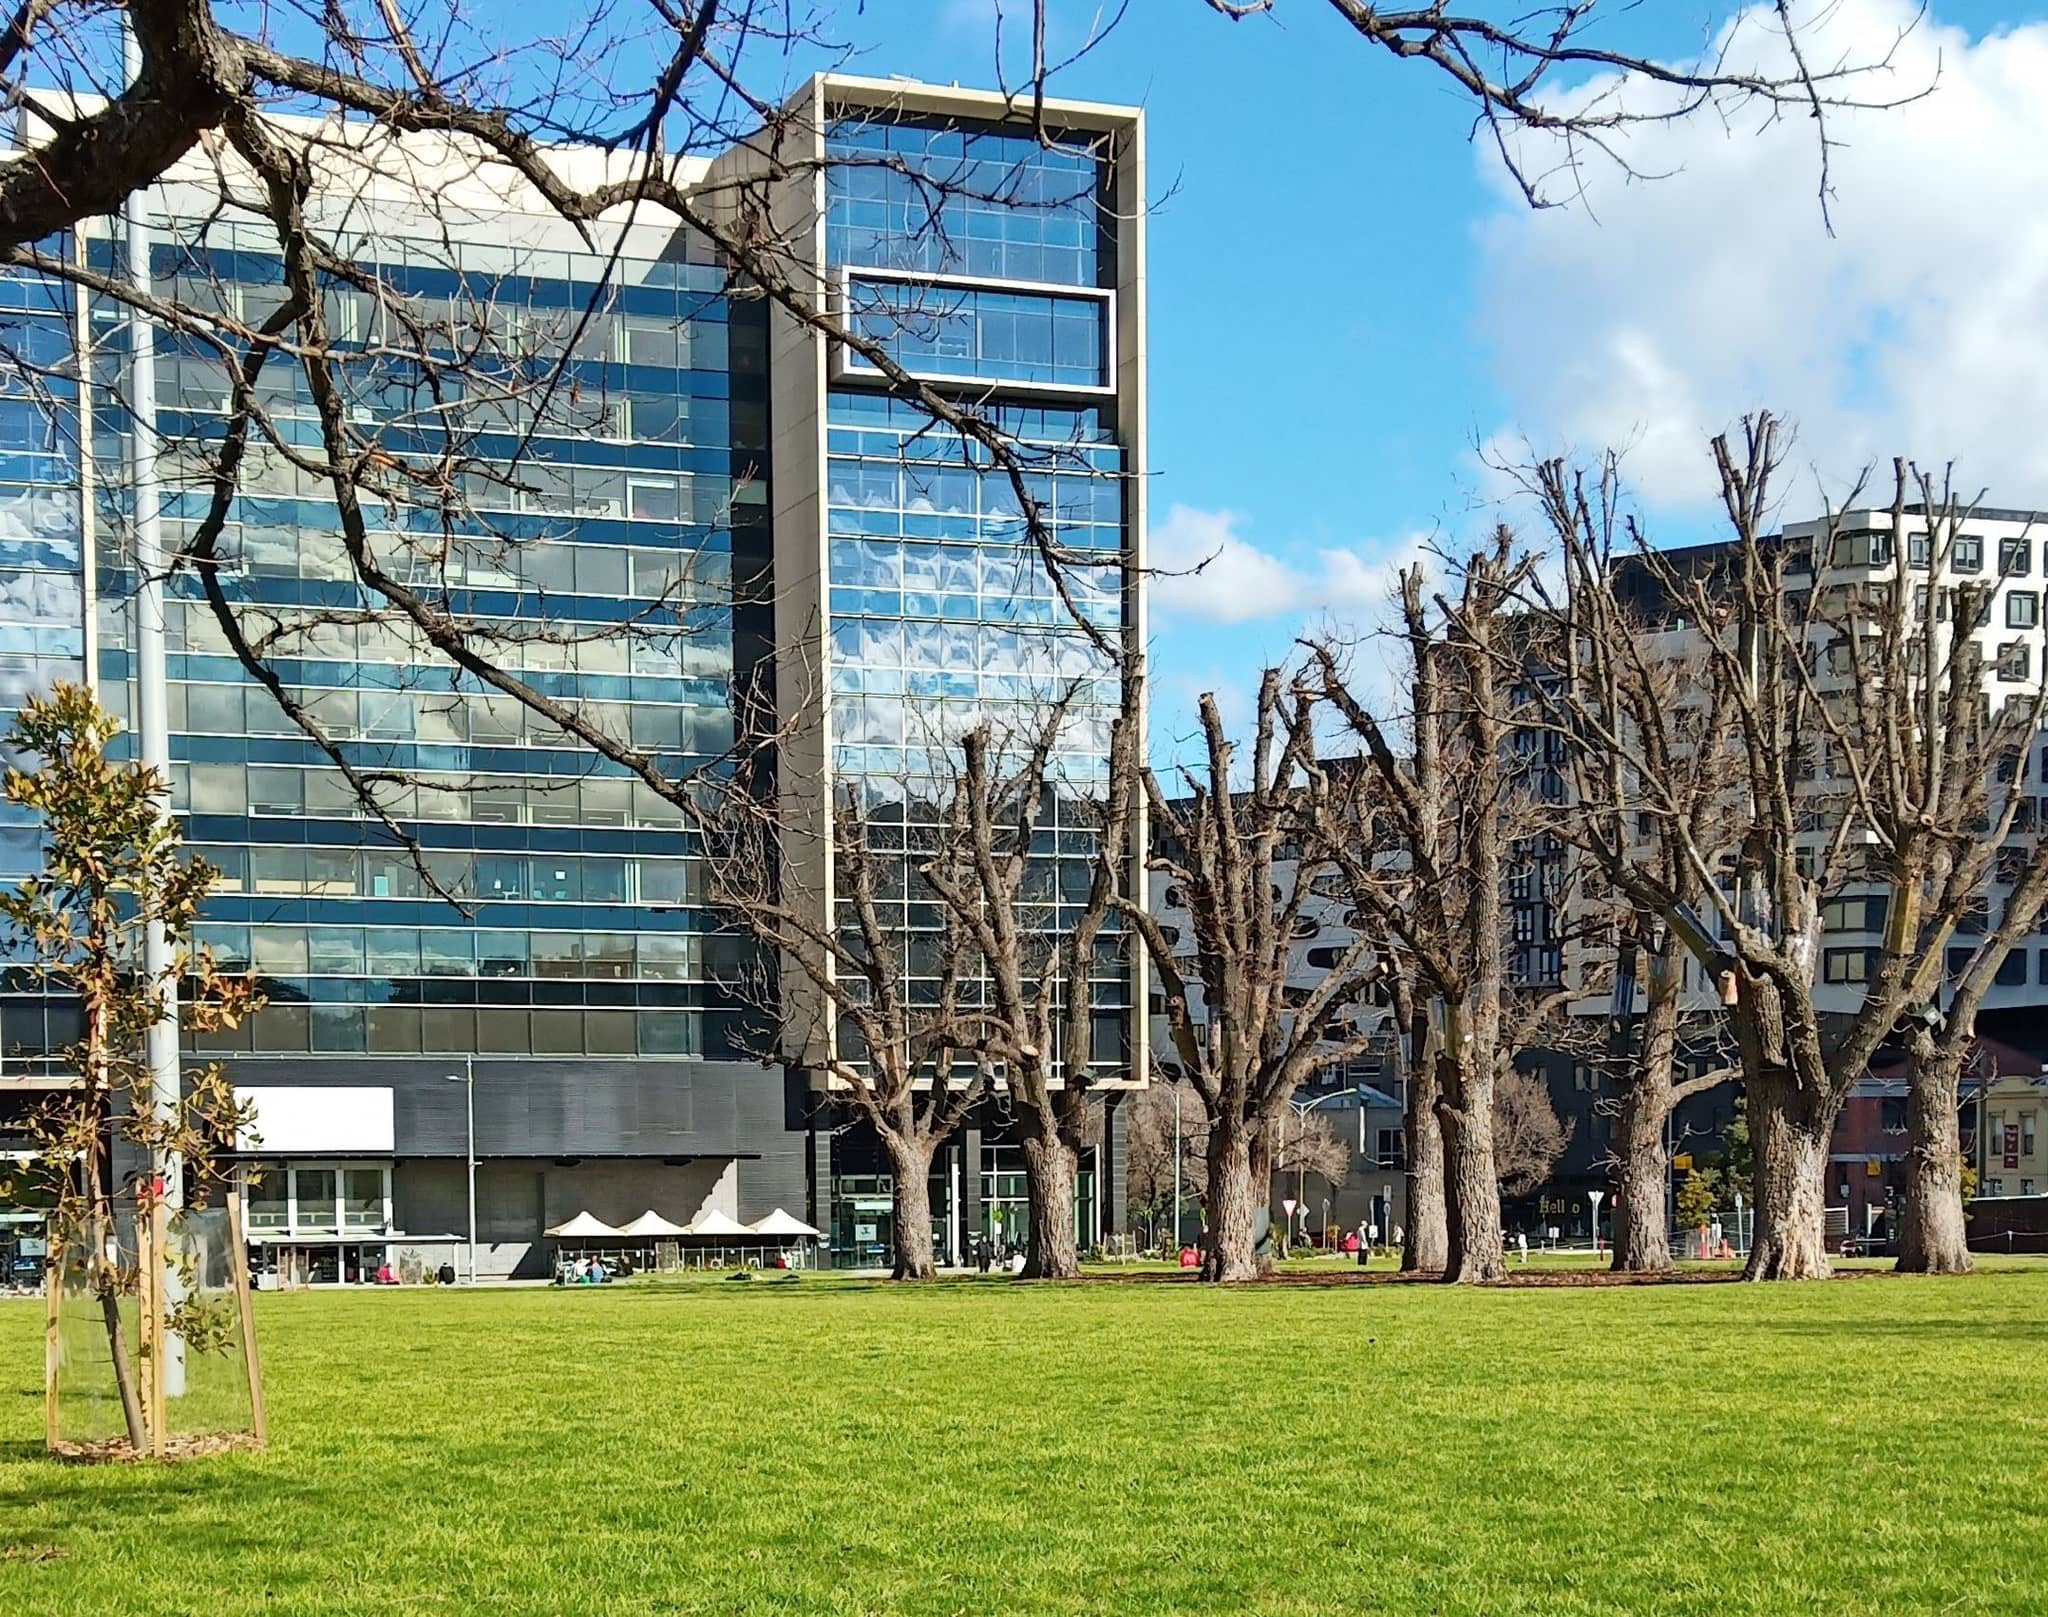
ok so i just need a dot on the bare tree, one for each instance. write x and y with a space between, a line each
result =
1674 714
1507 60
1426 1241
1864 748
1310 1143
1455 807
1041 977
890 1016
1244 855
1528 1136
1153 1134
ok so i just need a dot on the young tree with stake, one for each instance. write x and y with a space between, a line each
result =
113 867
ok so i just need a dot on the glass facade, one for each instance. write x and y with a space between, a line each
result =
945 198
593 517
943 611
943 330
42 574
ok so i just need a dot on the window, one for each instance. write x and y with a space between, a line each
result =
2015 557
313 1199
1870 548
1585 1075
304 1198
1892 1114
1917 550
1864 914
1846 965
2022 609
2012 970
2027 1134
1392 1149
1967 554
2015 659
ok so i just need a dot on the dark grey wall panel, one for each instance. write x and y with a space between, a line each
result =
559 1108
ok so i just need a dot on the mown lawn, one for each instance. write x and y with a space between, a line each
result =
1867 1445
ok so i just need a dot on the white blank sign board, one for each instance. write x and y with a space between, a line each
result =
296 1121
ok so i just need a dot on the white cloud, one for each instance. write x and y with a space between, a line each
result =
1658 312
1206 569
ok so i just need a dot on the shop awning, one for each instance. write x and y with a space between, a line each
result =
781 1225
652 1223
583 1227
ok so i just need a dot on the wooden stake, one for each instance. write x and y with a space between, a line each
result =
52 1352
259 1423
158 1250
146 1360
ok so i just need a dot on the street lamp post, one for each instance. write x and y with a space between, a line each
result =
467 1078
1176 1170
1301 1109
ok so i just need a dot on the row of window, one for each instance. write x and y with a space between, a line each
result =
300 1199
979 333
684 570
553 878
1875 548
387 952
952 201
923 487
442 718
495 262
604 800
462 1030
1059 653
1852 966
988 568
701 648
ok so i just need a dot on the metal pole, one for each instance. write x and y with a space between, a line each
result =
152 715
1176 1170
469 1093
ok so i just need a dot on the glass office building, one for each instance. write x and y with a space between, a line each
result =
587 479
991 264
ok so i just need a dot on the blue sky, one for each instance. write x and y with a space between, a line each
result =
1345 299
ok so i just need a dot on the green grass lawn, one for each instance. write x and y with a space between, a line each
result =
1869 1445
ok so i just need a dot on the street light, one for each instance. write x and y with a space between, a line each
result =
467 1078
1301 1109
1176 1170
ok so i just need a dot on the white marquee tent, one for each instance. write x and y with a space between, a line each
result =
716 1223
584 1227
784 1225
652 1225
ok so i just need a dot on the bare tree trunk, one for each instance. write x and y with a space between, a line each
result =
1789 1131
1427 1246
910 1209
1932 1236
101 1276
1235 1194
1050 1164
1642 1234
1472 1187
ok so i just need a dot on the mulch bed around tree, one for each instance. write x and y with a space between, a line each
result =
118 1451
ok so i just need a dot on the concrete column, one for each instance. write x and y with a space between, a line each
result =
969 1146
1112 1188
818 1187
